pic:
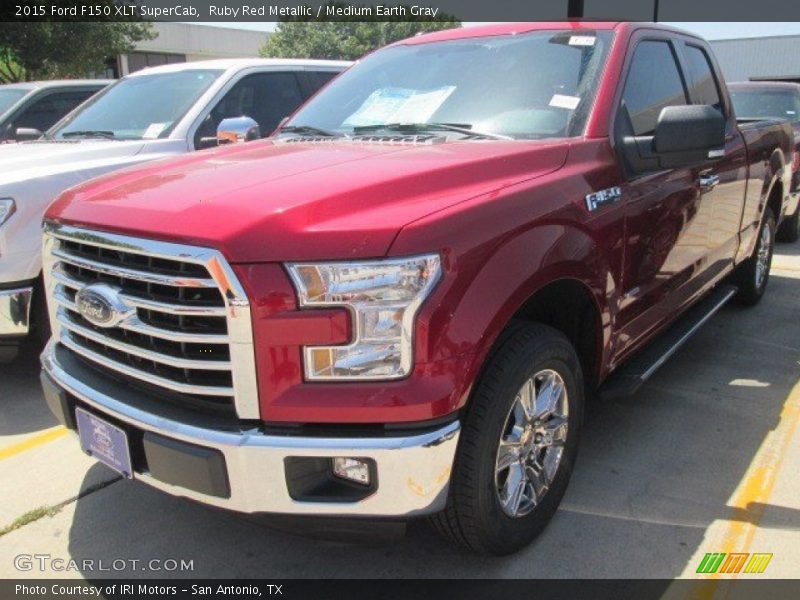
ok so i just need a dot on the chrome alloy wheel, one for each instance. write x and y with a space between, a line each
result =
532 443
762 260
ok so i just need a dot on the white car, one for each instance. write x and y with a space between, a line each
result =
154 113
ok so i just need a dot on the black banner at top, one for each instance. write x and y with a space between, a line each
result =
357 10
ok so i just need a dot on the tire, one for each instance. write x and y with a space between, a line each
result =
789 230
480 514
753 275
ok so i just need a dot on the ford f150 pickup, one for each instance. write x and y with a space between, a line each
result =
756 100
397 306
154 113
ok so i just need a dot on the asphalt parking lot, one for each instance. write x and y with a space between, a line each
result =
703 459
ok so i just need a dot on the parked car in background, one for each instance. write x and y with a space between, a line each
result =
759 100
29 109
395 307
150 114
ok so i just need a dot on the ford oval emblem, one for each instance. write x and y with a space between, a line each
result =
101 305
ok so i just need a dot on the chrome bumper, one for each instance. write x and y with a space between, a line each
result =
792 204
15 312
413 471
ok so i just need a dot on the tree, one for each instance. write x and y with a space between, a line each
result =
46 50
343 40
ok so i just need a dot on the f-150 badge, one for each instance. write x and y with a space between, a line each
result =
603 197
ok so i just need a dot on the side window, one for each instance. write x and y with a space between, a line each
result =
265 97
316 79
703 88
43 113
654 82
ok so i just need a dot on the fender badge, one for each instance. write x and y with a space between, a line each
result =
603 197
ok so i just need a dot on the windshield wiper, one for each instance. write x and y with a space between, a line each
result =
464 128
309 129
109 135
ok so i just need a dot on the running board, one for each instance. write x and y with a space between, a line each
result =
626 380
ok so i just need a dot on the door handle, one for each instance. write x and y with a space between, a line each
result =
707 182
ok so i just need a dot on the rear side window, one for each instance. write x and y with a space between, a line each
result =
703 87
654 82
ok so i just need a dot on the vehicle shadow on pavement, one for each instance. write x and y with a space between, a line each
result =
654 472
22 406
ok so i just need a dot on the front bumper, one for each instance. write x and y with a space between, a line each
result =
792 204
15 312
412 471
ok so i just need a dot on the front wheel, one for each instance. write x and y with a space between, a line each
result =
518 443
753 274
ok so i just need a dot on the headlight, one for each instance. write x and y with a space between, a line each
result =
383 297
7 208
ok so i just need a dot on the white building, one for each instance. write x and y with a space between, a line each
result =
183 42
763 58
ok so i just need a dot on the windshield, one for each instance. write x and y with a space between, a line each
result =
761 104
9 97
140 107
530 86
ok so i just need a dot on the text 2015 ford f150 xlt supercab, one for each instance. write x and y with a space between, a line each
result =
396 306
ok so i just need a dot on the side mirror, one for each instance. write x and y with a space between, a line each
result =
684 135
689 134
238 129
26 134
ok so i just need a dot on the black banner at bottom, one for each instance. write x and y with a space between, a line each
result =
388 589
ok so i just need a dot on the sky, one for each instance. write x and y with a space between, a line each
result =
710 31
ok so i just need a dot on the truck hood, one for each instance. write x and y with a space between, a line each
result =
278 200
29 160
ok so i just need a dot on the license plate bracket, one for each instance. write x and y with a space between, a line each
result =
105 442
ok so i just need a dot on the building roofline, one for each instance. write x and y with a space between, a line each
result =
758 37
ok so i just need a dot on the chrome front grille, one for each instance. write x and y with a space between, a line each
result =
185 333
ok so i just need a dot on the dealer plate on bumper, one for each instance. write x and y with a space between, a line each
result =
105 442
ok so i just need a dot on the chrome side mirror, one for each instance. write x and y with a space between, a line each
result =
238 129
27 134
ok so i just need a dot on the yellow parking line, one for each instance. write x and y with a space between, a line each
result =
753 495
47 435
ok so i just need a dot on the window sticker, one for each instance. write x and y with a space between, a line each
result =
399 105
581 40
568 102
154 130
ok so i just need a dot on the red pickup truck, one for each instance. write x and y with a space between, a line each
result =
398 305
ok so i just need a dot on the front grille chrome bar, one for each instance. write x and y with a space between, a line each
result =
134 274
139 302
165 359
144 376
135 324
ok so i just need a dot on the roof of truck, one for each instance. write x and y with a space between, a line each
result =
60 83
495 29
761 85
227 64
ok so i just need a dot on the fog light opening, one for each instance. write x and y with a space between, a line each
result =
351 469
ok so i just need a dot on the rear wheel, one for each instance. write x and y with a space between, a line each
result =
789 230
753 274
518 443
